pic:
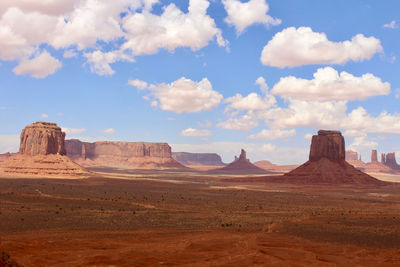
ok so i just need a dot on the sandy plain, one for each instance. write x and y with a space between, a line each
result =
138 218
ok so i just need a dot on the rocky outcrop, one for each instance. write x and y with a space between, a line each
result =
196 159
375 166
134 155
390 161
354 159
42 153
327 164
42 138
241 165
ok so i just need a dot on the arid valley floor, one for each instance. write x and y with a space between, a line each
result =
134 218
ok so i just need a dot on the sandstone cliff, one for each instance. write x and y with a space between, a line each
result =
389 160
42 138
134 155
327 165
241 165
196 159
41 153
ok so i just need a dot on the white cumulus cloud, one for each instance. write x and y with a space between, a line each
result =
108 131
242 15
251 102
328 85
141 85
391 25
73 130
295 47
39 67
244 122
273 134
195 132
183 95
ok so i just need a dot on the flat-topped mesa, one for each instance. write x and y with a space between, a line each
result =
134 155
327 144
42 138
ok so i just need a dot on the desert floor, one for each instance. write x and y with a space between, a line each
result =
136 218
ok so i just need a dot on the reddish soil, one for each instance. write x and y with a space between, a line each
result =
184 218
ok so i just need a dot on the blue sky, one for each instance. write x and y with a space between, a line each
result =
204 76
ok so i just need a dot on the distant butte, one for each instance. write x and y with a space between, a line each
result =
241 165
327 164
41 153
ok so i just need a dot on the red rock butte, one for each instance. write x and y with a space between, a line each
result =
42 138
42 153
327 164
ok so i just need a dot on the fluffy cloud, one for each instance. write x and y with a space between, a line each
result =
183 95
242 15
99 62
108 131
44 116
39 67
141 85
128 27
295 47
273 134
195 132
263 84
251 102
147 32
328 85
391 25
245 122
73 130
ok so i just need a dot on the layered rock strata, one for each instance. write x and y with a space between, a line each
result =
133 155
42 138
327 164
198 159
42 153
389 160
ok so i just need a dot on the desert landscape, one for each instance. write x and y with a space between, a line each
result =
199 133
323 213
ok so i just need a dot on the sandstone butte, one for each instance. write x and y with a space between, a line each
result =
42 153
129 155
198 159
241 165
327 164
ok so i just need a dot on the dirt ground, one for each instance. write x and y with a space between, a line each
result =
131 218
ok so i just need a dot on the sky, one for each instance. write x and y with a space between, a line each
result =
204 75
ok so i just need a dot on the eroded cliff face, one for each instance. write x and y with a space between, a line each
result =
42 138
194 159
137 155
389 160
327 144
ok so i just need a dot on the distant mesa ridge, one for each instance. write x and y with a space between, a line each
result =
387 164
134 155
205 159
